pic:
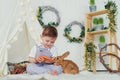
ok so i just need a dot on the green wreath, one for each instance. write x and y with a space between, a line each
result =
68 29
43 9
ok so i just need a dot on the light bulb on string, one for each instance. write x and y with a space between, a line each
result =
21 4
31 29
31 10
20 29
33 19
23 13
35 38
19 20
8 46
28 1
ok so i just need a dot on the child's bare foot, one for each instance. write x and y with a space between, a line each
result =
54 73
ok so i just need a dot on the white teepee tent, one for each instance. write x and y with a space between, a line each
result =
15 35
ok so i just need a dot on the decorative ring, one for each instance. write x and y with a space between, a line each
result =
42 10
68 29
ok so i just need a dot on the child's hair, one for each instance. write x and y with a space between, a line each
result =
50 31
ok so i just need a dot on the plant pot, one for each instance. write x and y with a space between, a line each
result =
92 8
100 27
101 46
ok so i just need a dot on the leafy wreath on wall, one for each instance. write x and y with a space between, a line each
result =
68 30
42 10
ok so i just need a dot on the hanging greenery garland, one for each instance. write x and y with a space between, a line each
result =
90 55
112 13
68 30
42 10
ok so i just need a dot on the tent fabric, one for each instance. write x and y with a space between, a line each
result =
5 37
5 49
10 26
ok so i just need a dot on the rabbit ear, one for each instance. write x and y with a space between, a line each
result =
65 54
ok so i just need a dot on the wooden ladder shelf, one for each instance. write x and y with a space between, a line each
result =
90 36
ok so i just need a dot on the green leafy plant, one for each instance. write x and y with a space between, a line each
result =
92 6
90 55
95 21
92 2
100 21
102 39
102 43
112 12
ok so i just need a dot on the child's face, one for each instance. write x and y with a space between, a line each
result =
47 41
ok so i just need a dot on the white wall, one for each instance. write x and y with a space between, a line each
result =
70 10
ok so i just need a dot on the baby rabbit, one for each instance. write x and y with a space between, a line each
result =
68 66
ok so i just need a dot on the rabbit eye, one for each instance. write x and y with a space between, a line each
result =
57 58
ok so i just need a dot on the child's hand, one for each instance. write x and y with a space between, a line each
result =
39 59
54 73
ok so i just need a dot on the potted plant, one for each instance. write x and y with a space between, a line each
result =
92 6
102 42
100 22
95 23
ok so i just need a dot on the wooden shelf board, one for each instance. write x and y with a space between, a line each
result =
106 52
102 52
95 13
98 32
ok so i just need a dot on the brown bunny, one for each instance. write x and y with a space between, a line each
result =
68 66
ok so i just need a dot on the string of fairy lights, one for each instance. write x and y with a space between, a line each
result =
25 10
